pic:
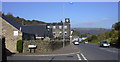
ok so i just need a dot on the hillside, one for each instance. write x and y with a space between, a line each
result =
24 21
94 31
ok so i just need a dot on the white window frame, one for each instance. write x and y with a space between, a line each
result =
48 26
60 27
60 32
54 27
15 33
65 32
54 33
65 27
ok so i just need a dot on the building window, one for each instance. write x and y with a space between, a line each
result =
54 27
60 33
15 33
65 27
54 33
60 27
65 32
48 26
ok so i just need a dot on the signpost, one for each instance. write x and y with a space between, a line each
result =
32 47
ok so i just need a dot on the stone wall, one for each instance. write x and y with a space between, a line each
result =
43 46
10 39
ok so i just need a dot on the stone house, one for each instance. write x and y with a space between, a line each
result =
12 34
13 31
60 29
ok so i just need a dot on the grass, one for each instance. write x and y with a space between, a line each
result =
94 42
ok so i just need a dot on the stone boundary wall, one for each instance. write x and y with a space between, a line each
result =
43 46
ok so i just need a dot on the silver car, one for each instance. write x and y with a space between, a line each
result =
104 44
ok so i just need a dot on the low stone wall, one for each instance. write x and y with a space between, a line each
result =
43 46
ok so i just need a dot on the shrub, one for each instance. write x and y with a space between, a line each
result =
19 46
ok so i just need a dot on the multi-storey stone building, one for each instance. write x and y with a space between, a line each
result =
61 29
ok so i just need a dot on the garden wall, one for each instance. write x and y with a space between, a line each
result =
43 46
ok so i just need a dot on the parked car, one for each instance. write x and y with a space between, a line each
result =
75 42
86 42
104 44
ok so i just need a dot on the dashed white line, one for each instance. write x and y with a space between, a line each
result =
108 50
78 56
83 57
111 51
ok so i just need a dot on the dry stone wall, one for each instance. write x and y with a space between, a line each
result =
43 46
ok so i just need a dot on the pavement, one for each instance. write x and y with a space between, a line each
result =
67 50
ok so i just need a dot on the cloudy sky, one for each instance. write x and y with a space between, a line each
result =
81 14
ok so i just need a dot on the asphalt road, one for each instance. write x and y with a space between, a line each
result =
94 52
88 52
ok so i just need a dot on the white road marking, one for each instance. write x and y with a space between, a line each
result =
78 56
108 50
111 51
83 57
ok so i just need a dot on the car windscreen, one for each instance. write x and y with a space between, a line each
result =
104 42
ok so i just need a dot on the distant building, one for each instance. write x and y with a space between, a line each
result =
60 29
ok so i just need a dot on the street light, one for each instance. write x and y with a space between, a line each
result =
64 24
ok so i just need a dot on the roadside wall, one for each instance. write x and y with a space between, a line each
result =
43 46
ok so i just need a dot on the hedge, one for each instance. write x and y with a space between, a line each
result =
19 46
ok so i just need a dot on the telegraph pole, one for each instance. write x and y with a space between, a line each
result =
64 24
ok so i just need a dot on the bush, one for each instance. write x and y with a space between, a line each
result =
19 46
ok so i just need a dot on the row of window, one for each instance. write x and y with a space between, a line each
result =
60 33
54 27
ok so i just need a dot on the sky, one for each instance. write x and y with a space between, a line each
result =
60 0
81 14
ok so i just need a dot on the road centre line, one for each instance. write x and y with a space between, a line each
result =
78 56
108 50
83 57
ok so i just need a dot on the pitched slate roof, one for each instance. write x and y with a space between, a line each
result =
12 22
39 30
54 23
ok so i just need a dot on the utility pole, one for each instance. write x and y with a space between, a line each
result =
63 35
64 24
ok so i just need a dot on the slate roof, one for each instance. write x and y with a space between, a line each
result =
40 30
54 23
12 22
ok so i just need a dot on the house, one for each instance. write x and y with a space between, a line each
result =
13 31
60 29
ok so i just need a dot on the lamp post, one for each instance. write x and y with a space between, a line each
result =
64 24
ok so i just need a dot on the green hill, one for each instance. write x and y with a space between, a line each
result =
94 31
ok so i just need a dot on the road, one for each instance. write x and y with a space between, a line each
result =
88 52
94 52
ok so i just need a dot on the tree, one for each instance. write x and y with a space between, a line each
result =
92 38
116 26
76 33
9 15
